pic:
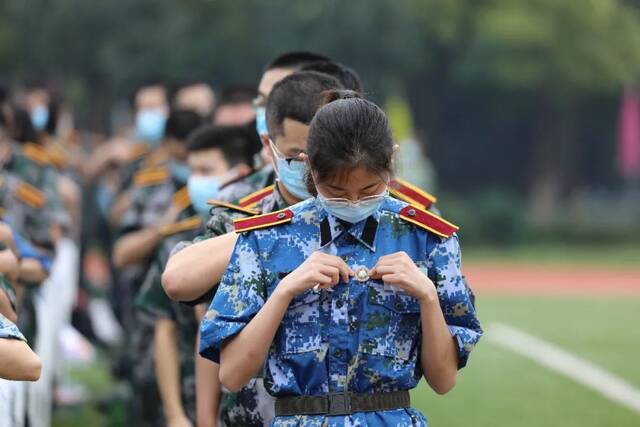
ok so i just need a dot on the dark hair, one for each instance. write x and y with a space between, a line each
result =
348 132
181 123
297 97
237 94
295 60
347 76
4 94
234 142
22 129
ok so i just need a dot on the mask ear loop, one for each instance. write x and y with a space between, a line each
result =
275 157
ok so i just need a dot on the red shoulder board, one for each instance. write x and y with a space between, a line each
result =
428 221
253 198
220 203
263 221
409 193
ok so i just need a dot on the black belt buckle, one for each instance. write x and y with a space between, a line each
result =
340 403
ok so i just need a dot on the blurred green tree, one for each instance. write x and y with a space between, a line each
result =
512 93
555 53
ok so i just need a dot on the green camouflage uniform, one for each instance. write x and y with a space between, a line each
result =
33 221
148 203
252 405
154 301
235 190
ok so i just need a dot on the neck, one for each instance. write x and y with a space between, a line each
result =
289 198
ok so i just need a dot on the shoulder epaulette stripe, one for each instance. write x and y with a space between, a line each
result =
428 221
57 159
30 195
36 154
190 223
181 198
410 193
231 206
138 151
253 198
262 221
151 176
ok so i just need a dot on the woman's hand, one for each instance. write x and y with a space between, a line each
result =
319 269
399 270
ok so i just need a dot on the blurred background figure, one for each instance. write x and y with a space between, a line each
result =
195 96
235 106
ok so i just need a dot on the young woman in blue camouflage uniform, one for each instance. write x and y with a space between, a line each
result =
346 300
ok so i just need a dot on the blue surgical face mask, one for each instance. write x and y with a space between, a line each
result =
150 125
202 189
40 117
352 212
291 173
180 171
261 121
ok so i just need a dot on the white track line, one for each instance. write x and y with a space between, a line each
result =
556 359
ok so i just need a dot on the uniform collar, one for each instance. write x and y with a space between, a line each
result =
331 228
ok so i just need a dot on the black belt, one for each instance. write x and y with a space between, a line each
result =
342 403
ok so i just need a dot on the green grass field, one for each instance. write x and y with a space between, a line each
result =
499 388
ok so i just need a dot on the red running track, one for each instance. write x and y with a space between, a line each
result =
545 279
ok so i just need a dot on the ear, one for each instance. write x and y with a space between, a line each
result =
264 138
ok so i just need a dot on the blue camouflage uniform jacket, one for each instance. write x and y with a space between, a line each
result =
362 337
9 330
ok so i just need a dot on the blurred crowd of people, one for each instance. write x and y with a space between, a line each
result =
89 222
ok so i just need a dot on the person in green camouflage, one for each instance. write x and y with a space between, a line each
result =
157 200
215 154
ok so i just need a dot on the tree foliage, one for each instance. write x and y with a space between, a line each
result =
494 85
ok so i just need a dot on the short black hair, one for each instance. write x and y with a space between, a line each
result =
295 60
347 76
181 123
22 129
237 94
297 97
4 94
234 142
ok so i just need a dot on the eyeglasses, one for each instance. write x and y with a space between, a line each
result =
339 202
281 156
